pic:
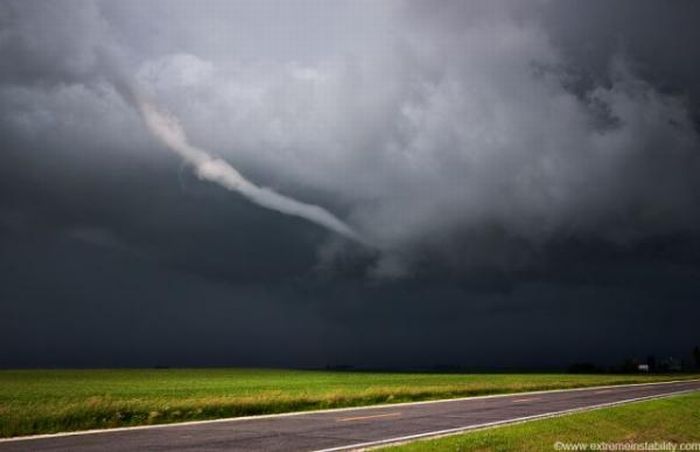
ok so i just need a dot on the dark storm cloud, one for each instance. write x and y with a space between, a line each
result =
659 40
527 169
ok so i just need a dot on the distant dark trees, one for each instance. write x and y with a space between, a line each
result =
651 362
630 365
635 365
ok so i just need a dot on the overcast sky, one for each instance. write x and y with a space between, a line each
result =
474 183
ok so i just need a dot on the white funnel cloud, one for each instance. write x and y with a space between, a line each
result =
167 129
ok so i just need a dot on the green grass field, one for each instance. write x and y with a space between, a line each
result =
673 419
43 401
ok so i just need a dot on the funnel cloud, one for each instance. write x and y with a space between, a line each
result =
169 131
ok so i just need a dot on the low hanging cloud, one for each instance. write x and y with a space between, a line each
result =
462 124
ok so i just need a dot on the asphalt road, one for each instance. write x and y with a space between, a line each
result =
347 428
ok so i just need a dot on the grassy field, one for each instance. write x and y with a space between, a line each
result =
674 419
43 401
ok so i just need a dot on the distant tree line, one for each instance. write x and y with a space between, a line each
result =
650 364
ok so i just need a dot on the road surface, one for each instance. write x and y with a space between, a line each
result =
347 428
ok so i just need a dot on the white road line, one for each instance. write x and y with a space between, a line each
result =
518 420
361 418
525 400
331 410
